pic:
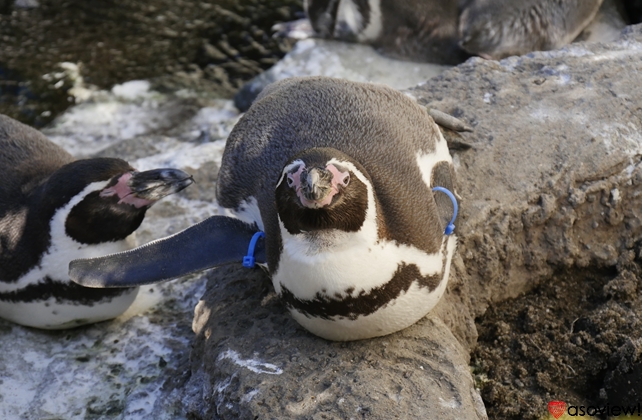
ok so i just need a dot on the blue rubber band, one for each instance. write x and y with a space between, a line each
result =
451 226
249 261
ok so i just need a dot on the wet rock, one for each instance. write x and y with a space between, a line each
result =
162 40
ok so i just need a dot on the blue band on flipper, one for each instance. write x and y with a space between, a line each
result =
451 226
248 260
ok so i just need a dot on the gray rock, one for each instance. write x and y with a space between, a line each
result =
553 181
26 4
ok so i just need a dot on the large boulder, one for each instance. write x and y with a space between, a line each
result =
553 179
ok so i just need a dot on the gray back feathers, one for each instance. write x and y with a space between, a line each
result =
380 128
26 158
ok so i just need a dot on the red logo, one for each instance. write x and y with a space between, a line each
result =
557 408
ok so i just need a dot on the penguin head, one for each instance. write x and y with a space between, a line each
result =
491 32
105 198
322 188
478 35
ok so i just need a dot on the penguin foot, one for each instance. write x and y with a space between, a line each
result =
448 121
455 141
450 128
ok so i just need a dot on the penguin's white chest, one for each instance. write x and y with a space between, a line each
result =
52 313
346 286
46 298
354 285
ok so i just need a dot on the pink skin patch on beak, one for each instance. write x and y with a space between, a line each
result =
124 193
338 178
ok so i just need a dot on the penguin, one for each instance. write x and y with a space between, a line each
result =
54 209
415 30
495 29
450 32
338 177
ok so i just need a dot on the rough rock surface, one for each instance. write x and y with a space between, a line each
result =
553 179
257 362
551 209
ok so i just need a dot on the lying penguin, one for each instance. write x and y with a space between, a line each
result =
417 30
496 29
54 209
351 185
448 32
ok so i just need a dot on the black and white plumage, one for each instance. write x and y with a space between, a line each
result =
54 209
339 176
448 32
418 30
375 259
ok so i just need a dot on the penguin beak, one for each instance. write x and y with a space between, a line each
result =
158 183
142 189
317 187
316 184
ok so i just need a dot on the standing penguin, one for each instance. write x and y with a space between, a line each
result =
54 209
339 176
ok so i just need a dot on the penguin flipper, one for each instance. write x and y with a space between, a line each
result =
215 241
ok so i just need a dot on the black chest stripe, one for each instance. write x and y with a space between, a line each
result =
63 292
352 307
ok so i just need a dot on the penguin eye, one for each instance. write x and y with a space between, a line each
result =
346 180
290 180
